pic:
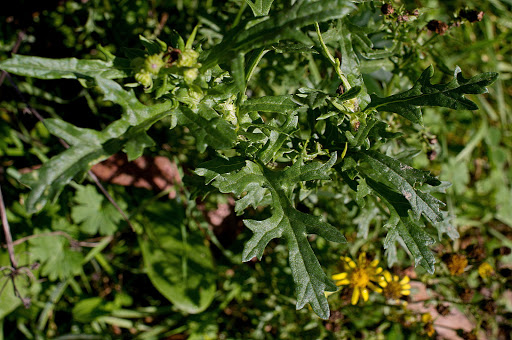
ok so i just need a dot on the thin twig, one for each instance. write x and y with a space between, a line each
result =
110 198
66 145
14 270
7 232
71 240
161 24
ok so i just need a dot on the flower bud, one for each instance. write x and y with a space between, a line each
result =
188 58
144 78
153 64
190 75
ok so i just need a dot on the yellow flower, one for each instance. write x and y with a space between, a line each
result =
393 288
359 276
456 264
429 324
426 318
485 270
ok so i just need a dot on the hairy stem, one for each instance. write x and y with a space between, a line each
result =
7 231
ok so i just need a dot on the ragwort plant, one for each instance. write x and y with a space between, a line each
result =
273 145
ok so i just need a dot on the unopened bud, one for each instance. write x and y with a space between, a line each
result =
153 64
188 58
144 78
190 75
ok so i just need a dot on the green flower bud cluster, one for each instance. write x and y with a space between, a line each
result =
147 68
228 110
144 78
188 59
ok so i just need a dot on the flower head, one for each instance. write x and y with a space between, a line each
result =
188 58
485 270
393 287
359 277
456 263
153 63
429 324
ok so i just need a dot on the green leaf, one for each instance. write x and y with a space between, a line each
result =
446 226
417 241
405 180
89 147
94 212
71 68
135 147
457 173
311 97
216 167
177 261
423 93
281 25
269 104
390 247
350 65
260 7
401 223
286 222
294 47
209 128
503 204
238 72
277 137
87 310
153 46
363 220
58 260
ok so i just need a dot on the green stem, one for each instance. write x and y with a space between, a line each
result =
253 65
334 63
239 14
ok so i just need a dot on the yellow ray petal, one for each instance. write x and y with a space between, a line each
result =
405 280
339 276
387 276
374 287
355 296
364 294
342 282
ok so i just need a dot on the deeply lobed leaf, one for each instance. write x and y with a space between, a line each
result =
423 93
285 222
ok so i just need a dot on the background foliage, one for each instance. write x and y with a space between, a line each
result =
176 271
